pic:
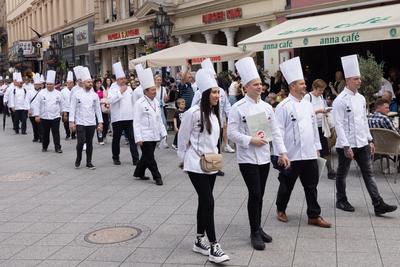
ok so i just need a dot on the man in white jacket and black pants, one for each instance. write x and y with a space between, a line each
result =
149 127
85 107
19 104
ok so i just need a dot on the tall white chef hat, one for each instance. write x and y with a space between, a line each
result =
51 76
247 70
118 70
7 77
207 64
205 80
350 66
146 78
42 78
36 79
1 78
14 76
292 70
70 76
18 77
85 74
138 68
77 71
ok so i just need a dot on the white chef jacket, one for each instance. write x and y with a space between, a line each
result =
7 93
48 105
147 121
192 143
17 99
3 89
224 104
238 131
28 86
137 93
121 105
297 122
31 96
66 97
350 119
74 90
85 107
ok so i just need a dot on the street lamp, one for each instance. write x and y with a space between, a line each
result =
161 30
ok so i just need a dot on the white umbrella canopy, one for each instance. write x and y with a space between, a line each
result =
196 52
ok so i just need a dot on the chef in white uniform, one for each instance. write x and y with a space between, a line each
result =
32 100
354 140
198 134
224 106
120 97
298 125
138 92
84 109
49 111
66 97
19 104
149 127
253 150
7 94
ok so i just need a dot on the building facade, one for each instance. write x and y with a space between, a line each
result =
122 27
32 24
3 39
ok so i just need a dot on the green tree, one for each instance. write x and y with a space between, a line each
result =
371 76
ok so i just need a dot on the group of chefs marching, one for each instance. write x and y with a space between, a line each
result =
137 114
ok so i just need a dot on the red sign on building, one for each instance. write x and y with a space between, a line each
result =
219 16
123 34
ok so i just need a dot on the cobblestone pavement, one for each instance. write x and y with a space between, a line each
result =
47 207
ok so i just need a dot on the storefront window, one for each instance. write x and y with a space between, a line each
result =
114 10
131 8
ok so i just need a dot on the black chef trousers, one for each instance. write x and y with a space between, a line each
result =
255 176
21 115
84 135
37 132
147 161
118 128
307 170
54 126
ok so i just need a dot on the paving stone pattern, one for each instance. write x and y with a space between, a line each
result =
43 219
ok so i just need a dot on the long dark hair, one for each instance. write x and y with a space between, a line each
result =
206 110
94 86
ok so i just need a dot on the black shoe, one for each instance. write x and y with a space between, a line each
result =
73 137
35 140
332 175
24 133
90 166
265 237
135 162
77 164
256 241
345 205
117 162
142 177
383 208
44 149
220 173
58 150
158 181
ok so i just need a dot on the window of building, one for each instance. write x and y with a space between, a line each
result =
114 10
131 7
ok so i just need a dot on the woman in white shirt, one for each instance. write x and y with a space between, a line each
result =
315 97
198 135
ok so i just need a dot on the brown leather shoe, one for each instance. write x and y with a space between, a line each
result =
319 222
281 216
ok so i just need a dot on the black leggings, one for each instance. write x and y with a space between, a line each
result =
204 184
255 176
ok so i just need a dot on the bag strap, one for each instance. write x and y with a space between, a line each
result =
34 97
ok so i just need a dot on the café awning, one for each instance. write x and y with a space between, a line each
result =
196 52
123 42
369 24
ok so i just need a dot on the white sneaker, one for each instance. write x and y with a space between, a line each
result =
84 147
163 144
201 246
102 143
217 255
229 149
174 147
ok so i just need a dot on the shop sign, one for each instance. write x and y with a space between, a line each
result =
219 16
123 34
311 29
287 44
340 39
81 35
198 60
68 40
